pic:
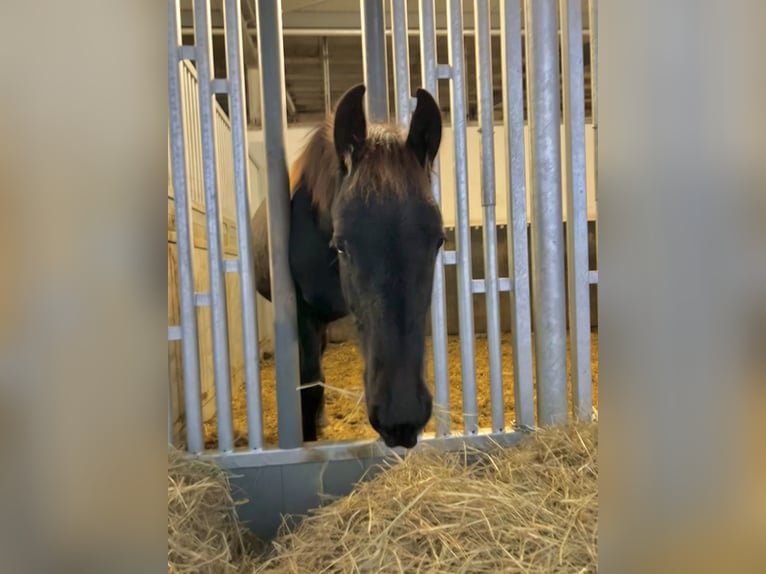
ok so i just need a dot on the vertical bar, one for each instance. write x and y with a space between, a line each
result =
463 230
189 340
487 151
214 240
270 56
374 59
593 21
401 62
240 159
428 66
547 237
170 407
518 254
577 208
326 76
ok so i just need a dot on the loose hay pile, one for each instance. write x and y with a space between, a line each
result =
204 535
530 509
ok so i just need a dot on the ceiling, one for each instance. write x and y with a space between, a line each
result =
309 24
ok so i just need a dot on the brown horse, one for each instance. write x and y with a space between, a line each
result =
364 235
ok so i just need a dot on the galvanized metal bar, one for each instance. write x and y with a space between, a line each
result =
577 208
219 319
462 219
361 450
175 333
449 257
547 236
286 360
241 165
326 83
428 71
593 277
190 342
401 55
593 37
170 408
374 59
513 116
487 154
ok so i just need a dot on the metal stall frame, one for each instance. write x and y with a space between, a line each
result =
548 281
577 208
430 74
462 254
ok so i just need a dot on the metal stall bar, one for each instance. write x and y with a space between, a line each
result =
577 208
547 237
487 154
240 157
374 59
204 53
513 114
400 51
593 42
326 76
463 230
429 73
189 340
286 360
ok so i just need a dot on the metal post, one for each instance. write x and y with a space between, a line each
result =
219 317
577 208
487 154
286 362
326 76
241 163
374 59
400 50
189 340
547 237
518 254
428 67
463 230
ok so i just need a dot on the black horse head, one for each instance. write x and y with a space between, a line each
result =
387 230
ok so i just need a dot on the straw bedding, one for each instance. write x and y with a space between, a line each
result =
527 509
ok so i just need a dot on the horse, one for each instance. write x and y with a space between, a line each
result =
365 232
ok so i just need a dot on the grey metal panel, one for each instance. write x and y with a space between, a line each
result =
463 235
374 59
518 254
400 51
429 71
189 343
547 236
263 490
286 362
487 154
219 320
301 487
242 196
577 208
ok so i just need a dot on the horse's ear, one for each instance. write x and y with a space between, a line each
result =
425 128
350 126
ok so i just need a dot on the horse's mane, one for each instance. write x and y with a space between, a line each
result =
318 166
